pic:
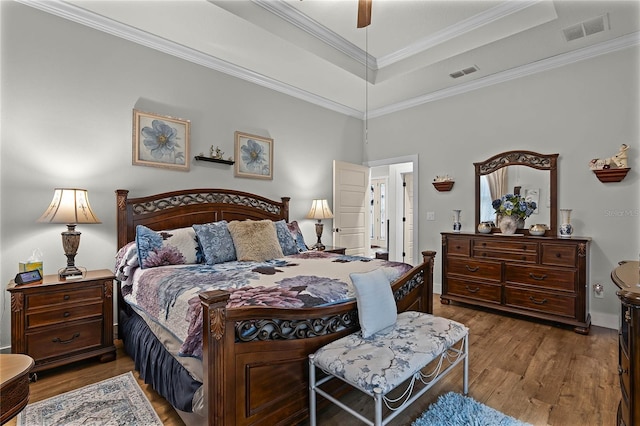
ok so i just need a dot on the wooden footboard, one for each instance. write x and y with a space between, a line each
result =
255 359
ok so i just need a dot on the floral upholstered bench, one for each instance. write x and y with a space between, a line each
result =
377 360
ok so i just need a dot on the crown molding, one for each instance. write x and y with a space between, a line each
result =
614 45
92 20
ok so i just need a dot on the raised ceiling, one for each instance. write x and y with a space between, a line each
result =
312 49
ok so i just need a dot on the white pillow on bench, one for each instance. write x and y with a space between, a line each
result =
376 306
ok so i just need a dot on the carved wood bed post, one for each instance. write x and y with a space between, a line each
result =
428 257
214 312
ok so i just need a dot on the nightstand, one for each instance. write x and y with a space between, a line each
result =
57 322
338 250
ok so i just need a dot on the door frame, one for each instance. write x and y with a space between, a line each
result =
416 190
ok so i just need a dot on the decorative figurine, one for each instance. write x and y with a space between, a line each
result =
216 153
618 160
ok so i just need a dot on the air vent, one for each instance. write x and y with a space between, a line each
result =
458 74
587 28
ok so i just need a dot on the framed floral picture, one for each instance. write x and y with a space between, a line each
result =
254 156
160 141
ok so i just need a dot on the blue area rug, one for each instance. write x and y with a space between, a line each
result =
453 409
115 401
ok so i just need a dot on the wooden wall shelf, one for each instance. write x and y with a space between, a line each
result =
611 175
444 185
214 160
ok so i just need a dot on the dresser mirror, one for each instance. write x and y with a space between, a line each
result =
530 174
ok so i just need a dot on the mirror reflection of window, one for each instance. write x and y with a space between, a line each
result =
378 213
487 214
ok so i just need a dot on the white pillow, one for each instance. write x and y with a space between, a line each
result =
376 306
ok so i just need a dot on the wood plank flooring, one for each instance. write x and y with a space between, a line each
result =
540 373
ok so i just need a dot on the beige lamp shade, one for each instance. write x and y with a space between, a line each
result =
70 206
320 210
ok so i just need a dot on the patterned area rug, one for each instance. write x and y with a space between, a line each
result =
115 401
453 409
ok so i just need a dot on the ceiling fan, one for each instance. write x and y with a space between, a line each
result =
364 13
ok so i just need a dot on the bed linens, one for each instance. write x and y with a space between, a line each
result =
169 294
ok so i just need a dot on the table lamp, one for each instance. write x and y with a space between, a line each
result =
319 210
70 206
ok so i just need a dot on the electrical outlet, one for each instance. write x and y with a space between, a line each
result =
431 215
598 290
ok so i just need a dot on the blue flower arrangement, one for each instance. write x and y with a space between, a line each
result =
514 205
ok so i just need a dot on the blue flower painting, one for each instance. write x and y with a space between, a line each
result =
161 141
254 156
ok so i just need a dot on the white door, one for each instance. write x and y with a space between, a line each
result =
350 213
408 218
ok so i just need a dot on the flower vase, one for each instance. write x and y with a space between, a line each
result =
565 227
508 224
457 226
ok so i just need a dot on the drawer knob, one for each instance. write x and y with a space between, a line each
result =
66 314
64 342
537 302
621 371
471 269
558 255
472 290
66 297
537 277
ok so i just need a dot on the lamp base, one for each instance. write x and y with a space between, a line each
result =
318 246
70 273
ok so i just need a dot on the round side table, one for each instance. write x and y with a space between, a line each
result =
14 384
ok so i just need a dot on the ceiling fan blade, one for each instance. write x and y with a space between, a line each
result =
364 13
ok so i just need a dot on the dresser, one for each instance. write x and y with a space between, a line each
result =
627 278
539 277
56 321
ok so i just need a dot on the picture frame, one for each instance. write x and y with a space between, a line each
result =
160 141
254 156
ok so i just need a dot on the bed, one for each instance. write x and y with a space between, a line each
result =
249 363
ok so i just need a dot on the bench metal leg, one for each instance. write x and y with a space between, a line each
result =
312 392
465 374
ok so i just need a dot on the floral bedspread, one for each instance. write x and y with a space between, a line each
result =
169 294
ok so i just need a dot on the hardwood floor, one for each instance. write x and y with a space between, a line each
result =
540 373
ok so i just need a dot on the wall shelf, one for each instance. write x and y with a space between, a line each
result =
443 186
611 175
213 160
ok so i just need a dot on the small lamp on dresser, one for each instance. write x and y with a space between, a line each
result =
70 206
319 210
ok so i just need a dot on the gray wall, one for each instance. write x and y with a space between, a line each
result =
581 111
67 98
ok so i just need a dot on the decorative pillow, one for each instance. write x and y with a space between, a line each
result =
376 307
170 247
255 240
286 240
297 235
216 242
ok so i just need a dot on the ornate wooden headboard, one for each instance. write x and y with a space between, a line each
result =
178 209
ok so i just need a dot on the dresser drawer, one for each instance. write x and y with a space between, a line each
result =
502 245
475 269
506 255
552 278
540 301
558 255
52 298
625 379
64 340
459 246
473 290
63 314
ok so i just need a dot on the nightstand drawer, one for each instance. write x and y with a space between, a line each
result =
63 314
53 298
64 340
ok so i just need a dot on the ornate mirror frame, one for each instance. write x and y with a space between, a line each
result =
523 158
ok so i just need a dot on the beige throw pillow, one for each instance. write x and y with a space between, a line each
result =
255 240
